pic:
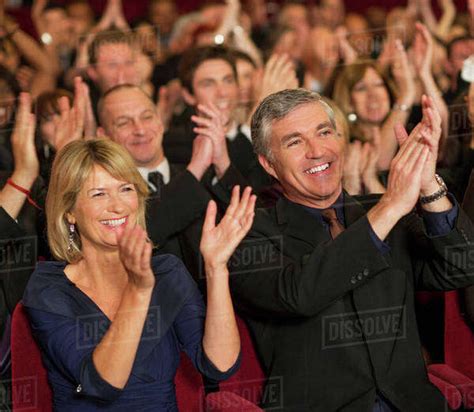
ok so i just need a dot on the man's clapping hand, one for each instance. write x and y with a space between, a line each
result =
429 132
201 158
211 123
412 172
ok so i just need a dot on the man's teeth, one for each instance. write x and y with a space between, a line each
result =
114 222
317 169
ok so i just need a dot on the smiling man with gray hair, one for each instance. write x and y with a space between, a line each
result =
333 315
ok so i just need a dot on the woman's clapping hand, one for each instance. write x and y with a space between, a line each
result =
218 242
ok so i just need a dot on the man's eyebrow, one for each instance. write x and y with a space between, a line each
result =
289 136
324 125
319 127
127 117
122 117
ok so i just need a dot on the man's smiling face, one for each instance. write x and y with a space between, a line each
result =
214 82
130 119
307 156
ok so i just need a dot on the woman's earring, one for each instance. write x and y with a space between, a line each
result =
352 117
72 230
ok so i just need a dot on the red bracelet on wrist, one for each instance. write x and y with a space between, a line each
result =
25 191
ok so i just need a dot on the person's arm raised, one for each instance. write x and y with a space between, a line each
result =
211 123
70 124
26 161
113 357
404 182
423 56
400 112
412 173
221 341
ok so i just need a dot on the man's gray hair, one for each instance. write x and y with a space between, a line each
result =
277 106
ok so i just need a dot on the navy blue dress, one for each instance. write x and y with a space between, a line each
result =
68 325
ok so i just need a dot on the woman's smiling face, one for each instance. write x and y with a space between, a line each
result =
370 98
103 207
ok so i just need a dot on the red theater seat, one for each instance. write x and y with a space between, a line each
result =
458 366
30 388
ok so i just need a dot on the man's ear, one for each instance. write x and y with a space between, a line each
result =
101 133
91 72
268 166
188 97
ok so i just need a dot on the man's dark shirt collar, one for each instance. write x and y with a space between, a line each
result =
338 205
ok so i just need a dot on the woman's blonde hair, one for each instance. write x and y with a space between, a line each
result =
71 167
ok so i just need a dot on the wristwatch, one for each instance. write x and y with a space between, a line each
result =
402 107
443 191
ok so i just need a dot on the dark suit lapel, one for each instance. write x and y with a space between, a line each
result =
298 223
353 209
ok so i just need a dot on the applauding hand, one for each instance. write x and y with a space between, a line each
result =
135 254
23 144
211 123
70 124
428 131
219 242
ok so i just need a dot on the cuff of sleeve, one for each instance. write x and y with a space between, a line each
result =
10 226
223 188
92 384
441 223
207 368
379 244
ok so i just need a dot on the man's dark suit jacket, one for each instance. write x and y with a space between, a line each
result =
183 200
334 320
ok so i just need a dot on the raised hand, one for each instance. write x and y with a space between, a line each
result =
422 50
347 52
406 170
211 123
135 254
201 157
429 132
169 98
218 242
279 74
70 124
403 75
23 144
119 19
